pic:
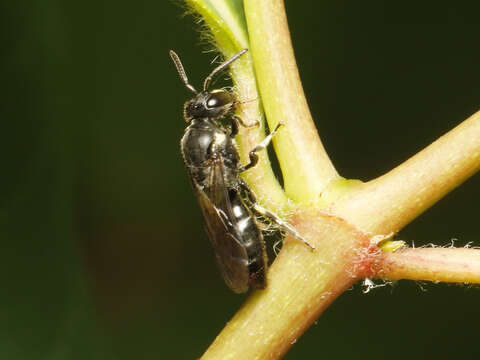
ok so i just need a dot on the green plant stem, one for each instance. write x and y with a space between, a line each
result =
301 285
229 37
388 203
306 167
431 264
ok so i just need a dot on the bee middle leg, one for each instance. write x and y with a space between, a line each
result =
253 154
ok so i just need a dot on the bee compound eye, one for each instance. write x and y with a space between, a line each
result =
212 102
218 99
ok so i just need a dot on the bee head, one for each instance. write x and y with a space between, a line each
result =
209 104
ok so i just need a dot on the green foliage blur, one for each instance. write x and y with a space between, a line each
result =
103 253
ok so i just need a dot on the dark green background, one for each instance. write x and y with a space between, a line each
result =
103 254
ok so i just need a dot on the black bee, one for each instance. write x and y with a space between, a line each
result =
227 203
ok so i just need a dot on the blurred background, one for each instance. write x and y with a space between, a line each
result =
103 253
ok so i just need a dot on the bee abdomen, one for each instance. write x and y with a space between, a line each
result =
250 236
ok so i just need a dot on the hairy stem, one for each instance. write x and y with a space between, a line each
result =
225 24
301 282
301 285
306 167
432 264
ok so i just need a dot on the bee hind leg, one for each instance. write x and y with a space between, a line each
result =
265 213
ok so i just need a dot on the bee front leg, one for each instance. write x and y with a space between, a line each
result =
236 122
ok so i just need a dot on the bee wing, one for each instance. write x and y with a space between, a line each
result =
231 255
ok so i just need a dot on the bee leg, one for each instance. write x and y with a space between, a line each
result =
236 122
253 154
234 126
240 120
283 225
263 212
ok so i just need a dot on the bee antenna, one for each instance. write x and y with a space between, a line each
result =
220 67
181 71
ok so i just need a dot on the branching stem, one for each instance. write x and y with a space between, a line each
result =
388 203
337 216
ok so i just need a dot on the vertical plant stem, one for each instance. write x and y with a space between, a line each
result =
305 165
226 28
